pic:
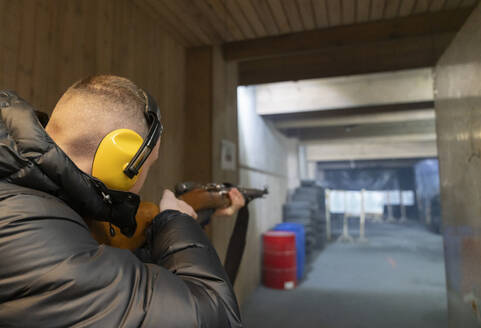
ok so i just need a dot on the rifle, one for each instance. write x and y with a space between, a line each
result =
204 199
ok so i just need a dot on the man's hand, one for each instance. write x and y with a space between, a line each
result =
237 202
170 202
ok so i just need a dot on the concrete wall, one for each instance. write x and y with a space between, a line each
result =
265 157
458 111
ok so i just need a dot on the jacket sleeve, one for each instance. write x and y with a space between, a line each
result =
198 283
54 274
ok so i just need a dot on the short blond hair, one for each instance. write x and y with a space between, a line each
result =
93 107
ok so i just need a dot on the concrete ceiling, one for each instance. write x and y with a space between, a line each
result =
367 117
399 87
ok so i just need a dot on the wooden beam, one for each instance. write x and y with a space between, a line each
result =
392 55
309 41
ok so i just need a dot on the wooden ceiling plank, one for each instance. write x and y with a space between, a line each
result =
307 14
293 15
334 12
348 12
437 5
320 13
225 18
280 16
200 20
265 14
392 9
377 9
407 7
469 3
252 17
421 6
183 18
164 17
308 41
452 4
238 16
206 9
168 8
363 9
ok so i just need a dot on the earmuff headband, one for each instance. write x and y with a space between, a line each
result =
152 114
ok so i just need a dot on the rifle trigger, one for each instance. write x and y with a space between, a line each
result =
112 231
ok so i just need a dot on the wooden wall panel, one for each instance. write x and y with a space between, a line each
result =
47 45
198 133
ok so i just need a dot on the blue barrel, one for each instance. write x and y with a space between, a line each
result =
298 230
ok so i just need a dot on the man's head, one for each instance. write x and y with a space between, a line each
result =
92 108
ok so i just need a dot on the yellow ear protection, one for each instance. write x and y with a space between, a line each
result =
121 153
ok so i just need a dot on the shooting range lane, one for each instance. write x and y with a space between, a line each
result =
395 280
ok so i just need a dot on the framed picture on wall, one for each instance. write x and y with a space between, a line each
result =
228 155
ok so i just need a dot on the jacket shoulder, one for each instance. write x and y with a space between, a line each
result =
19 203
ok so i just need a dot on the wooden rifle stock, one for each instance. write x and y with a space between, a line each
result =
200 197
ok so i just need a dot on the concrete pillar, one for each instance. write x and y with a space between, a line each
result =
458 126
302 162
328 214
362 219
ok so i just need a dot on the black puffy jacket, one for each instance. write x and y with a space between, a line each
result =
54 274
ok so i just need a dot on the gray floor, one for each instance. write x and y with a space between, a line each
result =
395 280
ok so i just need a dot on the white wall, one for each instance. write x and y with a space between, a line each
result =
265 158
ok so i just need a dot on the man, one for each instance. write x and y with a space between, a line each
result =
52 272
